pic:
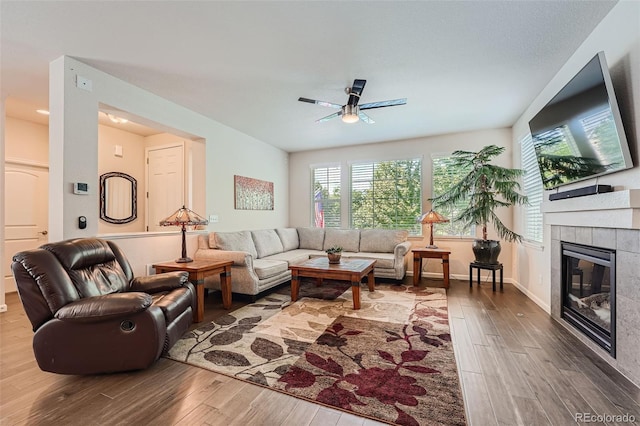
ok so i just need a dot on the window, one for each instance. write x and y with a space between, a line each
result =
444 174
387 194
532 186
326 197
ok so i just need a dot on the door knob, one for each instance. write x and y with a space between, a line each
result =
45 232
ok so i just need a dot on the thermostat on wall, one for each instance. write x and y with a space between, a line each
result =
80 188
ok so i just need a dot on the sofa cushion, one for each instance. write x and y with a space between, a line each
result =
381 240
268 268
296 256
289 238
267 242
348 239
236 241
311 238
383 260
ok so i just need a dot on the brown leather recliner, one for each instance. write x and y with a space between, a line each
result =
90 315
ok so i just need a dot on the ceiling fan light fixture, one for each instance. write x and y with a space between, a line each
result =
350 114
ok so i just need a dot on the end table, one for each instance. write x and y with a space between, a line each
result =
420 253
198 270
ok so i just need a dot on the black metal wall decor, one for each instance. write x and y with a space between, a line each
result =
118 198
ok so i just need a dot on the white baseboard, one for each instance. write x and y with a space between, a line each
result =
545 307
462 277
519 286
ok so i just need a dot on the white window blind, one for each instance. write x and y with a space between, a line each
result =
387 194
444 175
326 197
532 186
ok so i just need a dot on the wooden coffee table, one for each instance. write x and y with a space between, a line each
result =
352 270
198 270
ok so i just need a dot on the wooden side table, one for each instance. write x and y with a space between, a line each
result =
489 266
198 270
420 253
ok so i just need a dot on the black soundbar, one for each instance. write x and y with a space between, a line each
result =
581 192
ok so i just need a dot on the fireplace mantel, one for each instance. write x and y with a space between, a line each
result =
617 209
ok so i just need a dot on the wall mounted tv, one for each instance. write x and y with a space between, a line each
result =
578 134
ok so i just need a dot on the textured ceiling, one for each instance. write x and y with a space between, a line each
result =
461 65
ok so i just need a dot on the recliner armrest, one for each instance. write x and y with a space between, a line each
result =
106 307
160 282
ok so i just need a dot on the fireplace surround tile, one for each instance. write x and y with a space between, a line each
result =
626 242
627 279
568 234
627 336
604 237
584 236
556 271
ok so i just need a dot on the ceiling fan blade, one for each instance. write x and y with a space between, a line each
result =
382 104
356 92
322 103
364 117
329 117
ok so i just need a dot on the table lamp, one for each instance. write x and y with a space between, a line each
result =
184 217
432 218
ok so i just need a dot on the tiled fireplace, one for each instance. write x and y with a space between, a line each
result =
621 278
607 223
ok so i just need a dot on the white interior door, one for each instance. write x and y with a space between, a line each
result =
26 209
165 184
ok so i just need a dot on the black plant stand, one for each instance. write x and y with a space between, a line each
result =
490 266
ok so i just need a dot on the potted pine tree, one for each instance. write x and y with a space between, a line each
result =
487 187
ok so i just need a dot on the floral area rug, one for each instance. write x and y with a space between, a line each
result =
392 360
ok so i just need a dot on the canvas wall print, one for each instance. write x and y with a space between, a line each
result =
253 194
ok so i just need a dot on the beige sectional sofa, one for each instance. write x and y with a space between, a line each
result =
261 258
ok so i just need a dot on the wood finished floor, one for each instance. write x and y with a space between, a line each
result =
517 367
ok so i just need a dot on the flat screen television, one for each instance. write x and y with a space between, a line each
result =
579 135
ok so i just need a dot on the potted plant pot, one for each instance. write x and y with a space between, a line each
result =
334 253
486 251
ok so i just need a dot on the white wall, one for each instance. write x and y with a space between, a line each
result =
26 141
618 35
73 131
300 165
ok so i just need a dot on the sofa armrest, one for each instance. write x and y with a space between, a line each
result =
106 307
239 258
160 282
402 249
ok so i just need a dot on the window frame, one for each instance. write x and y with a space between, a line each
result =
326 201
417 228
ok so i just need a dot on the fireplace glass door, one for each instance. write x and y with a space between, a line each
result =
589 292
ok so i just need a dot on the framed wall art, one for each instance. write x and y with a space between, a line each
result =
252 194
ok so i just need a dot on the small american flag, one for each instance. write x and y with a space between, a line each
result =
318 211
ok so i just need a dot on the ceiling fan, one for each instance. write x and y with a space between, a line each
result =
352 112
